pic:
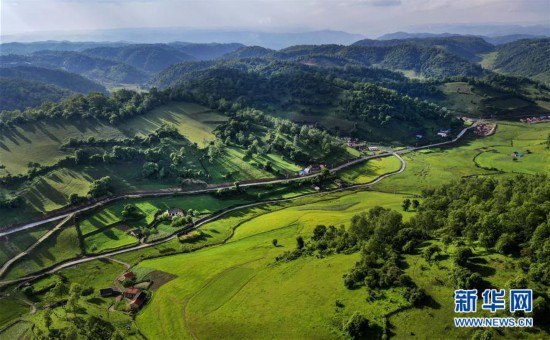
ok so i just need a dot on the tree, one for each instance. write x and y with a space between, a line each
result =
430 251
462 255
100 187
357 326
406 204
48 318
300 242
275 242
415 204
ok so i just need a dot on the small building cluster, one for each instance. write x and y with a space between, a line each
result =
311 169
484 129
534 120
134 296
444 133
176 212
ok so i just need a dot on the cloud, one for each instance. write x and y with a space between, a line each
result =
378 3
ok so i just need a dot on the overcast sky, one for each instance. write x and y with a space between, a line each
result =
369 17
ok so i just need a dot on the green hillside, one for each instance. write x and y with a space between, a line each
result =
525 58
19 94
149 58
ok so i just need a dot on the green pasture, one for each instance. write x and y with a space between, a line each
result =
368 171
108 239
39 141
462 97
19 330
432 167
10 309
15 243
436 318
193 121
60 246
219 284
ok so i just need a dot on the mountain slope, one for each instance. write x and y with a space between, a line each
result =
21 94
100 70
60 78
467 47
149 58
425 61
206 51
526 58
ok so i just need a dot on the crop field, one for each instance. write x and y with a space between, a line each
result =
218 284
368 171
62 245
432 167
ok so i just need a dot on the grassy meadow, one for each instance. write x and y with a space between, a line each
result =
474 156
218 284
368 171
62 245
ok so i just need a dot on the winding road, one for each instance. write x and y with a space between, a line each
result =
215 217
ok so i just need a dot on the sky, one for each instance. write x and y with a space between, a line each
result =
368 17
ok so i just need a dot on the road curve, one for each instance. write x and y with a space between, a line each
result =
199 224
168 192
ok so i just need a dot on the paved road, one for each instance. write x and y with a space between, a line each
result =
198 225
212 218
168 192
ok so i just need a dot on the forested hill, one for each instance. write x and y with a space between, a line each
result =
60 78
527 58
97 69
430 62
365 101
467 47
18 94
149 58
206 51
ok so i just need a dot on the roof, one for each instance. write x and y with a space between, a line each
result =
128 275
139 300
132 291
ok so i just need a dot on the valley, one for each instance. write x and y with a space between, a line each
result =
190 190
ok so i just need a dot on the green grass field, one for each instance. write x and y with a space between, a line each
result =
220 284
432 167
60 246
437 318
17 242
194 121
10 310
368 171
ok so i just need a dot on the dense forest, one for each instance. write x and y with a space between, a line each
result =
467 47
527 58
149 58
19 94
